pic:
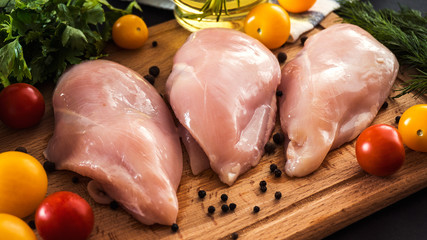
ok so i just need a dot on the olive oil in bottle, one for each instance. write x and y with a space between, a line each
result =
198 14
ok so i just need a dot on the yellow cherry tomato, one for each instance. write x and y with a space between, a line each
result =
14 228
413 127
296 6
269 23
23 183
129 32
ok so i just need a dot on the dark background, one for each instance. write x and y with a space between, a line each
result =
407 218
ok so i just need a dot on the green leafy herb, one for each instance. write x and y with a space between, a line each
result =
39 39
404 32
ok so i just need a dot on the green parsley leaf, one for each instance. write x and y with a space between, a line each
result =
39 39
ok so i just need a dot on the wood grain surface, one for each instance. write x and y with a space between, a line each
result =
336 195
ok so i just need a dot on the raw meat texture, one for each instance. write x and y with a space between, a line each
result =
199 162
222 89
332 90
112 126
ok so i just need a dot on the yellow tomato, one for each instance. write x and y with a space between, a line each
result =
296 6
269 23
413 127
129 32
13 228
23 183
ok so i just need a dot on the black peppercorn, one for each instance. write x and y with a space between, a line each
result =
150 79
114 205
211 209
154 71
224 197
278 138
281 56
202 194
263 188
269 148
154 44
262 183
75 180
32 224
21 149
273 167
232 206
278 195
224 208
279 93
303 39
174 227
256 209
234 235
49 166
385 105
277 173
397 119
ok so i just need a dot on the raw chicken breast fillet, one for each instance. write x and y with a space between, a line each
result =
332 90
223 91
112 126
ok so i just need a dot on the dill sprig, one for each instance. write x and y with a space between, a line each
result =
404 32
417 84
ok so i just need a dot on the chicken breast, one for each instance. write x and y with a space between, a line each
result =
112 126
223 91
332 90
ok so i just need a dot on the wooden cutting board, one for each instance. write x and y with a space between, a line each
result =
336 195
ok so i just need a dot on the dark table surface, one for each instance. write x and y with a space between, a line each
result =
405 219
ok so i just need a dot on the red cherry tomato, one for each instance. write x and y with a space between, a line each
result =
21 105
64 215
380 150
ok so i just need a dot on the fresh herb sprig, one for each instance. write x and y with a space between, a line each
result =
211 8
40 39
404 32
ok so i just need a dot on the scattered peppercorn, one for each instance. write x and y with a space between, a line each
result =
273 167
262 183
225 208
397 119
278 138
256 209
211 209
279 93
75 180
32 224
21 149
49 166
154 71
224 197
281 56
202 194
234 235
385 105
150 79
114 205
154 44
278 195
269 148
303 39
232 206
263 188
277 173
174 227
